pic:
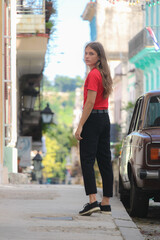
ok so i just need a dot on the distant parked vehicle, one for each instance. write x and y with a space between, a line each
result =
139 162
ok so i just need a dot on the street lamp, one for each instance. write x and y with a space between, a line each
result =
29 97
37 161
37 157
47 114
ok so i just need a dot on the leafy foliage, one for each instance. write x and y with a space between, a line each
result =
117 149
49 161
65 84
61 97
129 106
47 85
59 138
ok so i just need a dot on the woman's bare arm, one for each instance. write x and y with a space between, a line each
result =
89 104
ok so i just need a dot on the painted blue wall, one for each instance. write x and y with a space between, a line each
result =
152 13
93 29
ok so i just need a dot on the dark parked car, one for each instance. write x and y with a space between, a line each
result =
139 162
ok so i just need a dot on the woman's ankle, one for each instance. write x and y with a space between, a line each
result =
92 198
105 201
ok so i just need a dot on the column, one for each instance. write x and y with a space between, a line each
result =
152 80
158 79
1 95
146 82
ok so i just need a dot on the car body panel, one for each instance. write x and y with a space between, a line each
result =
140 145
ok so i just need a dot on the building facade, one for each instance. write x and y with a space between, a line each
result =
24 34
114 23
142 52
1 96
8 126
32 20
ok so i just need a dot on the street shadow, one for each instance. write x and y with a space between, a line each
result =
149 226
154 211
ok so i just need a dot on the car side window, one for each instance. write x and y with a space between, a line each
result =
136 116
153 112
139 114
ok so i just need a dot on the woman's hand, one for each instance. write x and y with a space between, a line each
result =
78 133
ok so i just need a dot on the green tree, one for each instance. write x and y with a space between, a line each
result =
62 105
59 138
49 161
129 106
65 84
47 85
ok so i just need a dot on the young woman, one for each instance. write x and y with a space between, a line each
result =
93 130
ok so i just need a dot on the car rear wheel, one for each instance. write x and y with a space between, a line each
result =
124 194
138 201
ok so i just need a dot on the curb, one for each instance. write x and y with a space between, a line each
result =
123 221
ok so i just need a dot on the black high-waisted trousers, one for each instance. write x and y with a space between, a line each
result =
96 145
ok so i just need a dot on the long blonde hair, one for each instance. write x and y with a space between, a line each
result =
103 67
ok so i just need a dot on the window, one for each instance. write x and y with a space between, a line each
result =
153 112
136 116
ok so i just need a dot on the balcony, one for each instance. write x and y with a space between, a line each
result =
142 52
30 17
31 36
31 47
89 11
31 52
141 41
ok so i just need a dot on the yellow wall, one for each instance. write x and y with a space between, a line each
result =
1 100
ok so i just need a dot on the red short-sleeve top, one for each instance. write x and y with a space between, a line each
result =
94 82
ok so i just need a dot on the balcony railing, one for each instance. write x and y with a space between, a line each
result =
30 7
142 40
30 16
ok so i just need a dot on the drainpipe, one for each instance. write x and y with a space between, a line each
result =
2 74
13 75
13 79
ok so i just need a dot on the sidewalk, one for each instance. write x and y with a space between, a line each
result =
50 212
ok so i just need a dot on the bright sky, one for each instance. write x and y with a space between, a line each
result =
68 41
